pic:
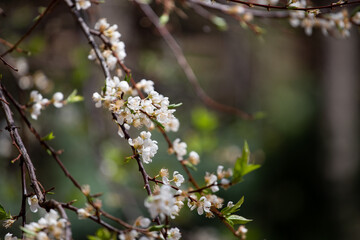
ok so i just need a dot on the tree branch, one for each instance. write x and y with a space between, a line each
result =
41 16
183 63
16 136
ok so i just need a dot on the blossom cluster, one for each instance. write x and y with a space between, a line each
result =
204 204
122 100
140 222
51 226
338 23
178 179
38 102
146 147
163 203
211 179
117 49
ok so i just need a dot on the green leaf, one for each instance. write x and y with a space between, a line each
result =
3 214
190 165
242 167
219 22
48 137
127 78
48 152
172 106
27 231
103 234
229 210
164 19
74 98
156 227
157 123
236 219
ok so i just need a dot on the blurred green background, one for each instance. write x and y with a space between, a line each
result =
307 87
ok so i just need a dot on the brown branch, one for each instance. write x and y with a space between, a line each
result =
86 30
54 154
7 64
41 16
24 193
229 9
268 6
121 64
10 45
16 136
93 218
183 63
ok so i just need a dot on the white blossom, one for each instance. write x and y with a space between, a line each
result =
174 234
9 236
83 4
211 179
48 227
178 178
34 203
83 213
161 203
203 205
179 148
194 158
146 147
42 236
146 85
129 235
142 222
57 99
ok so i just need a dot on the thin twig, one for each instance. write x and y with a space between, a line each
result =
230 9
55 154
24 193
7 64
85 28
41 16
16 136
183 63
10 45
93 218
268 6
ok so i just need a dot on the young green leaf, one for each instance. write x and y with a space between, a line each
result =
48 137
3 214
172 106
157 227
164 19
74 98
102 234
127 78
219 22
157 123
236 219
229 210
27 231
242 165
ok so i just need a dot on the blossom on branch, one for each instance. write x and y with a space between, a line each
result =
34 203
82 4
